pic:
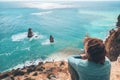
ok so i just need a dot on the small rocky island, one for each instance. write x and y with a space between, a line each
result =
30 33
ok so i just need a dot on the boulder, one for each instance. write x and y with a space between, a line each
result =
51 76
18 72
29 79
51 39
118 22
62 63
35 74
3 75
29 70
30 33
40 63
118 18
8 78
40 68
112 45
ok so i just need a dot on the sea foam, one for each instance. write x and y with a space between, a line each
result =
61 55
44 5
46 42
64 54
26 63
41 13
19 37
22 36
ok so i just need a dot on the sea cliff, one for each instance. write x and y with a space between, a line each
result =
51 71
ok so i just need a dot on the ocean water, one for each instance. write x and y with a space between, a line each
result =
68 22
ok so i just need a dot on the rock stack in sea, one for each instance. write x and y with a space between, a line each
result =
112 43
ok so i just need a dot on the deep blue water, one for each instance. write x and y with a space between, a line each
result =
68 22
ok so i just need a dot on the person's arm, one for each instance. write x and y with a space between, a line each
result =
84 56
74 60
72 66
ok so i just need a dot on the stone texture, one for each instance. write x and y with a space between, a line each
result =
118 22
112 44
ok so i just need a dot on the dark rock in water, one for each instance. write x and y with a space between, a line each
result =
51 39
30 33
112 44
40 63
29 70
3 75
31 66
18 72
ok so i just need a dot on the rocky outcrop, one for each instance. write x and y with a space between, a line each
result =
30 33
51 39
17 72
54 71
112 44
4 75
118 23
42 71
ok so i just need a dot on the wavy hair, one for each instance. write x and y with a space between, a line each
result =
96 50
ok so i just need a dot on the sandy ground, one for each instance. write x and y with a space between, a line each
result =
115 71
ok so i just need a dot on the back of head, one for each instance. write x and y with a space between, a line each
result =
96 50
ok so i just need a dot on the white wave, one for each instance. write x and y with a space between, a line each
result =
27 63
7 54
46 42
64 54
100 13
36 36
27 48
44 5
19 16
19 37
106 15
58 56
22 36
41 13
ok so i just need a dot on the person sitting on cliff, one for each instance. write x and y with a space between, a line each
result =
51 39
30 33
93 65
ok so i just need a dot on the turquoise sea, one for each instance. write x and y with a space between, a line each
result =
68 22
